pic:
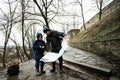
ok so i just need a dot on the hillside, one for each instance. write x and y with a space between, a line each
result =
106 29
102 37
102 34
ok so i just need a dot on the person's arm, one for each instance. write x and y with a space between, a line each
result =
47 44
35 46
61 35
44 45
45 51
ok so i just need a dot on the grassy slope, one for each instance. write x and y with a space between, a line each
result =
106 29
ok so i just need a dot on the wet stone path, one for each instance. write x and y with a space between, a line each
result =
27 69
3 75
86 59
27 72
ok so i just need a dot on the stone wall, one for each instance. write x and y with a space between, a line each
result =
73 32
110 48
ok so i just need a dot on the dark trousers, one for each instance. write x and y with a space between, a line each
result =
39 63
60 62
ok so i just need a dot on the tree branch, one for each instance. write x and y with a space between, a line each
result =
39 8
55 13
50 3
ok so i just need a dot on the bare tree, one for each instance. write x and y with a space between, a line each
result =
23 28
17 49
44 10
15 20
31 38
28 28
82 13
9 17
99 6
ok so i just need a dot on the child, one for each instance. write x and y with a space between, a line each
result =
39 48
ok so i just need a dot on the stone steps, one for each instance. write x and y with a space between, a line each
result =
3 75
103 70
83 72
87 60
72 70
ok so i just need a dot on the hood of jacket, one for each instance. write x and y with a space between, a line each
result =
38 34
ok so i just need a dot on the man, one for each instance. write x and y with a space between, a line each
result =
54 38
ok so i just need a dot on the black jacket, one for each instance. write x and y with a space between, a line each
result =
55 39
38 52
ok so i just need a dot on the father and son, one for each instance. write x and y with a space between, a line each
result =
53 40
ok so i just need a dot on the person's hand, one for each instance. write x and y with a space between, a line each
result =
42 47
66 38
45 53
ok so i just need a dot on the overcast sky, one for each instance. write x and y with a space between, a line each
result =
89 12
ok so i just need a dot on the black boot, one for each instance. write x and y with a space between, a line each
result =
61 64
42 70
37 72
53 66
52 70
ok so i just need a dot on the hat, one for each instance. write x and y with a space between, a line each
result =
39 34
46 29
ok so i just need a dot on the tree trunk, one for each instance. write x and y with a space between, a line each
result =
17 49
23 35
43 15
100 10
18 53
83 16
3 57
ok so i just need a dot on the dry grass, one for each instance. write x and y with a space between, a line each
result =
106 29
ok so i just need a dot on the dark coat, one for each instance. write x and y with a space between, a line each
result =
38 52
55 39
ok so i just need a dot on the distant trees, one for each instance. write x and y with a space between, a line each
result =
17 46
15 18
7 26
23 17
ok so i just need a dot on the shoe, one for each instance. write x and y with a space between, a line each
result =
60 71
52 70
38 74
43 72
